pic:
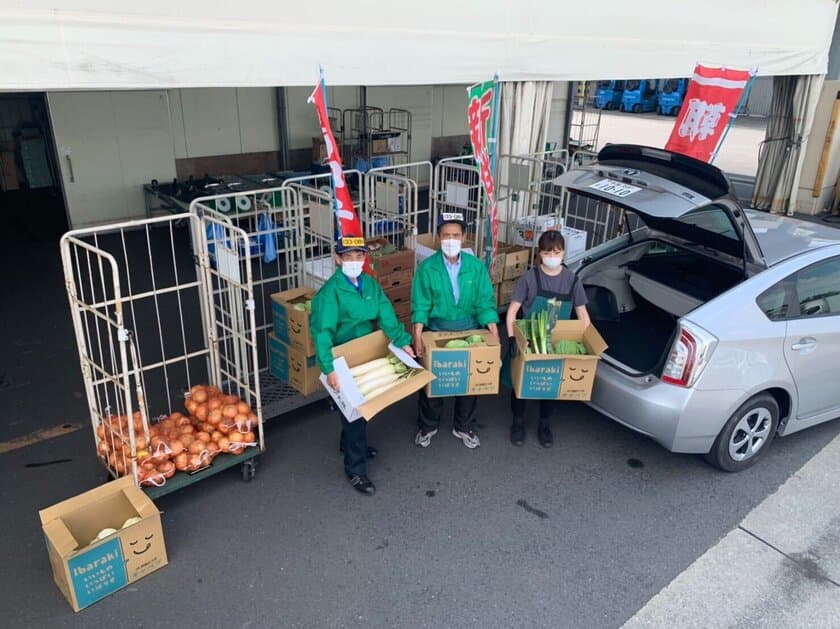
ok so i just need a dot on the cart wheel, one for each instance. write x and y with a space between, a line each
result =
249 470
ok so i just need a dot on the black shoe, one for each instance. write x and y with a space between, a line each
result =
517 433
544 435
371 452
363 485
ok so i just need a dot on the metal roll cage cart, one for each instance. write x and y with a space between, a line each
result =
151 320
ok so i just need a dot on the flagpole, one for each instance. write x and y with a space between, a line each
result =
741 102
492 145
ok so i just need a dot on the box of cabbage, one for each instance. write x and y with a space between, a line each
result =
373 374
556 366
463 363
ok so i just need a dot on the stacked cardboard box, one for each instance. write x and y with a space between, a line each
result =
395 272
290 347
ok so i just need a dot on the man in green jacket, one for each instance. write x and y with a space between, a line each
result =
452 291
345 308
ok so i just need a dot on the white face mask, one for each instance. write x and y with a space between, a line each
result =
451 248
552 262
352 268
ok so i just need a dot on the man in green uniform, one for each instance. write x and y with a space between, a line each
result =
451 292
345 308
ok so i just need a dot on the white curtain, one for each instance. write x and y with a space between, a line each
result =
783 150
523 130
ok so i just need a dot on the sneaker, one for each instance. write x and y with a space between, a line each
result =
544 435
517 433
363 485
423 438
470 439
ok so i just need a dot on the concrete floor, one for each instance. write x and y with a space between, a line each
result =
738 153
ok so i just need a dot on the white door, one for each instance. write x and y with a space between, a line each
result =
109 144
812 345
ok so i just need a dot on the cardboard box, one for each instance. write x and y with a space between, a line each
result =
87 572
512 262
504 292
319 149
361 350
9 179
379 146
461 371
397 279
290 325
558 376
393 262
403 311
292 366
399 295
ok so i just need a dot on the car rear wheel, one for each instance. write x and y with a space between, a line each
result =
747 435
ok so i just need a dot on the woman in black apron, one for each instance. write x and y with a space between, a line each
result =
548 287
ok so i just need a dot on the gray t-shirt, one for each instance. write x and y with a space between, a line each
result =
526 288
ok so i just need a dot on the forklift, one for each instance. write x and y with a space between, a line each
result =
608 94
640 95
671 96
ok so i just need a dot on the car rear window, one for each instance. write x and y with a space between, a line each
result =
713 219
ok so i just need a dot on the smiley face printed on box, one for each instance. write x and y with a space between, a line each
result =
295 364
484 369
578 377
143 550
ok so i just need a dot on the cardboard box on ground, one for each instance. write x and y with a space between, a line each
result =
293 366
558 376
464 370
291 326
361 350
87 570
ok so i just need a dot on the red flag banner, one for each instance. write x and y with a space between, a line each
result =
348 220
349 226
480 118
710 104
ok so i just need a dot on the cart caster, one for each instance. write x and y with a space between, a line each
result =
249 470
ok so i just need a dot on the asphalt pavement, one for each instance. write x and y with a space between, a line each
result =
582 535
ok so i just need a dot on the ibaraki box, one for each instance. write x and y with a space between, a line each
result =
102 540
472 368
557 376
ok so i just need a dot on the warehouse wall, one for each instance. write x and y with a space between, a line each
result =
806 202
223 121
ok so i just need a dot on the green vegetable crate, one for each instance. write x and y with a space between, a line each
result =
463 363
547 375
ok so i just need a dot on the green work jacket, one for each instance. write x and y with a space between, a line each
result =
340 314
432 297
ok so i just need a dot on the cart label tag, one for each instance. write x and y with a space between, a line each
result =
227 261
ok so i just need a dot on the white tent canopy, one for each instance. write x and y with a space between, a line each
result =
99 44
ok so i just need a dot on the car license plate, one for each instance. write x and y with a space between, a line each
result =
615 188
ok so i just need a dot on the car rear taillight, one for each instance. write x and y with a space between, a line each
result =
689 355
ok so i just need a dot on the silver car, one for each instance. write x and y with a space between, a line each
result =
723 324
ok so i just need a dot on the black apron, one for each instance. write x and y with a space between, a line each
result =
558 306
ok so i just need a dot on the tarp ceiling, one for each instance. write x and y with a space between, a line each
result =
99 44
